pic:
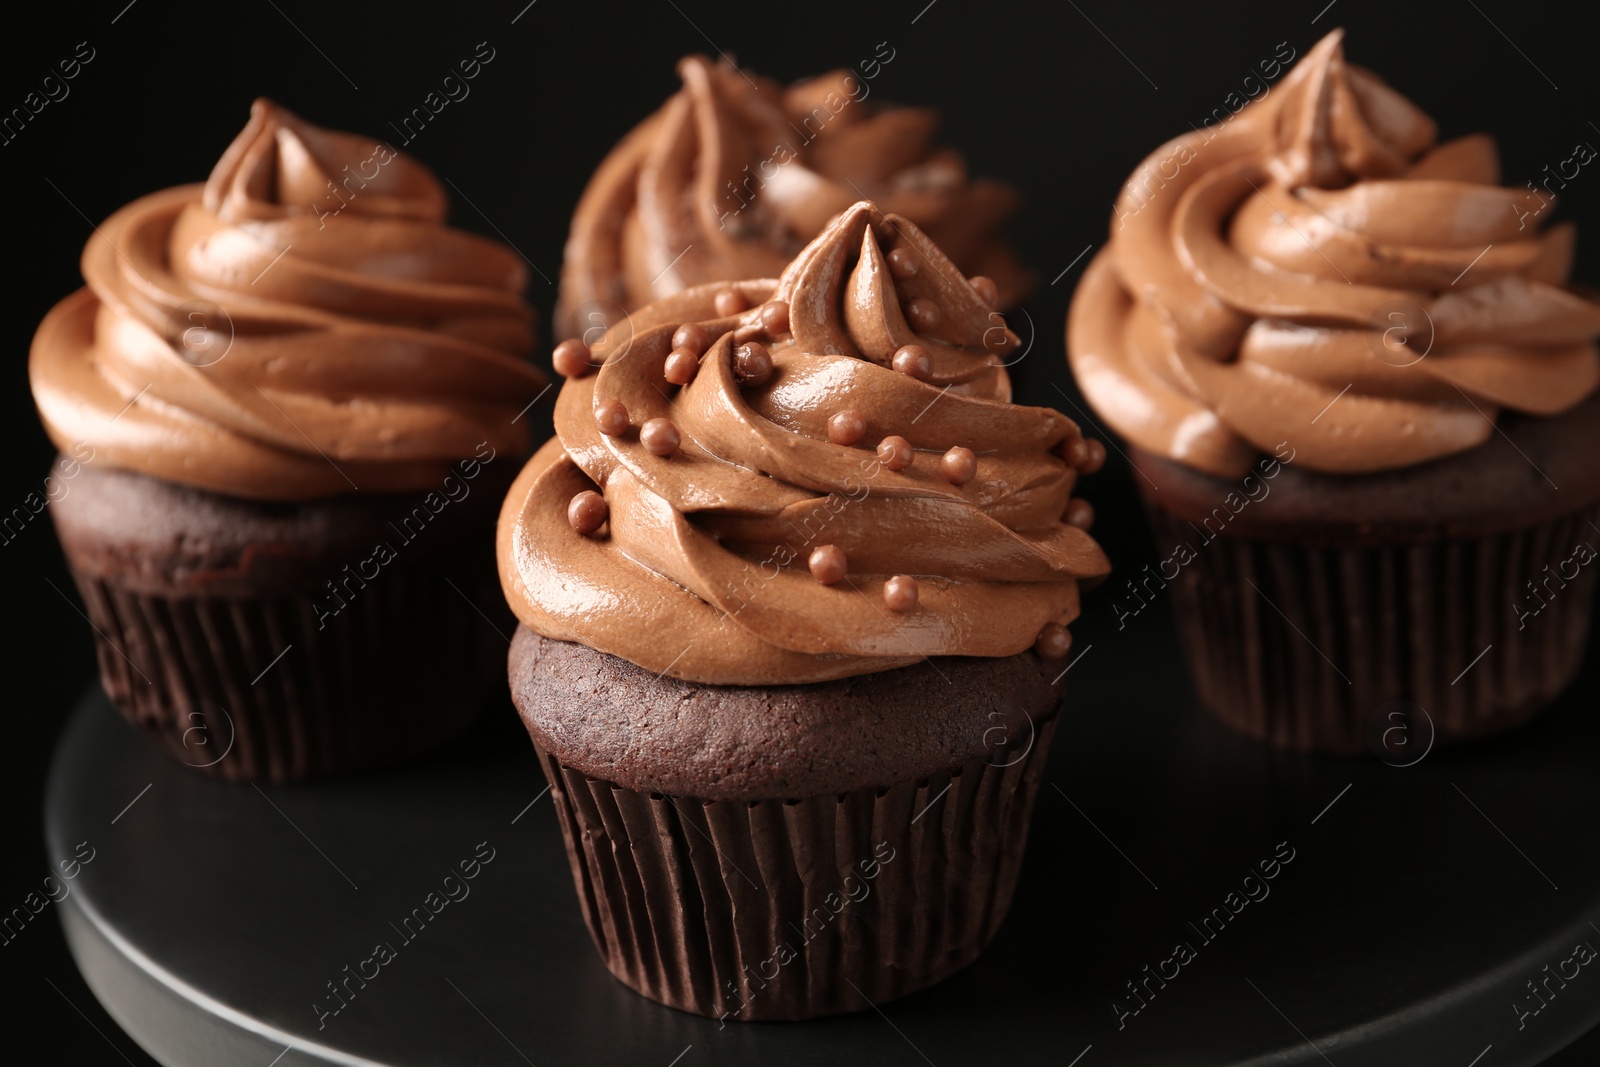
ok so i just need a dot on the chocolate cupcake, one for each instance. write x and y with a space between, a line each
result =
295 395
782 575
1360 400
735 174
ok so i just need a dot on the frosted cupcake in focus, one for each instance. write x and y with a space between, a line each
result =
794 582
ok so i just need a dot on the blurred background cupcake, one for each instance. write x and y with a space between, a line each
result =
782 576
1360 400
293 394
735 174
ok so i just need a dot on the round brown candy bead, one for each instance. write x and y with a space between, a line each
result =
959 466
775 317
913 361
987 291
923 315
588 511
571 358
659 437
895 453
752 364
1079 513
902 262
900 593
846 427
1075 451
730 302
612 417
1055 641
693 337
682 366
828 564
1095 457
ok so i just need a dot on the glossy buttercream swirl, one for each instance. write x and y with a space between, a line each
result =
1318 271
735 174
719 493
302 325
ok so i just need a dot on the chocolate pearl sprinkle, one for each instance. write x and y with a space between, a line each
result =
775 317
959 466
900 593
914 362
730 302
571 358
902 263
987 291
612 417
828 564
1096 457
923 315
847 427
1079 513
682 366
692 337
752 364
1054 642
1075 451
895 453
588 511
659 437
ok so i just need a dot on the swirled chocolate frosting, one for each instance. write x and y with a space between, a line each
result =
733 176
786 481
1316 270
302 325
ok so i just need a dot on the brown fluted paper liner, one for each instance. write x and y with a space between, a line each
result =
1303 646
248 688
791 909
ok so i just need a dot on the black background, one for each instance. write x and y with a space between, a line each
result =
1041 95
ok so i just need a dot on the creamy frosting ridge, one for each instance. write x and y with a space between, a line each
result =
1318 270
302 325
734 174
789 481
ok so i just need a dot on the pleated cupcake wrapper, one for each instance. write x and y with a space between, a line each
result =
1305 647
723 908
250 689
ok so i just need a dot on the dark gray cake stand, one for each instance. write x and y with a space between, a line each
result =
223 924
